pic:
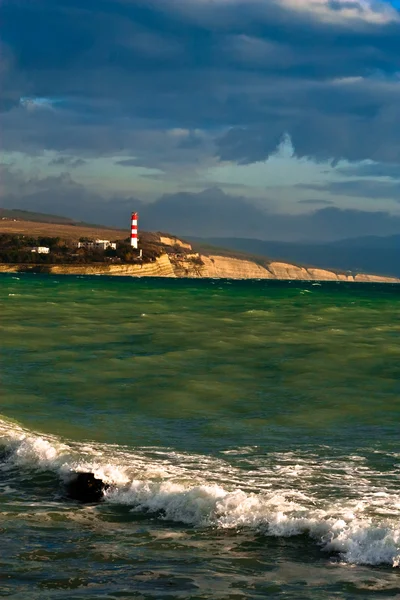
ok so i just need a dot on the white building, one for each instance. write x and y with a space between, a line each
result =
85 244
104 244
100 244
41 249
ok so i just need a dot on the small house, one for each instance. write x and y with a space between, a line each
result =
104 244
98 244
41 249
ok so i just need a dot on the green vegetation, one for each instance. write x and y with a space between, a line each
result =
17 249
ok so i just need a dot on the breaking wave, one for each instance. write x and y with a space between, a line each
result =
344 506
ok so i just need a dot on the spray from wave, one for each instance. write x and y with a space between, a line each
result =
208 492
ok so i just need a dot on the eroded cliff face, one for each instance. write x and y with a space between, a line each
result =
179 260
288 271
221 266
161 267
233 268
215 266
173 241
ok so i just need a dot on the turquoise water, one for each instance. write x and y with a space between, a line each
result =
249 431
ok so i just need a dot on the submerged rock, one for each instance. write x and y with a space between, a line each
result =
86 488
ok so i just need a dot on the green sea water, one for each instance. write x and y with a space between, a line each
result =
249 431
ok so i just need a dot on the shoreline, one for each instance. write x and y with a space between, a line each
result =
214 267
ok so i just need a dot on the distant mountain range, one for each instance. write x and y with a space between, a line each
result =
371 254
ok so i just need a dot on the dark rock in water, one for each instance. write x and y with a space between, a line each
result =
85 487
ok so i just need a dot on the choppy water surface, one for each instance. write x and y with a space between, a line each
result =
249 431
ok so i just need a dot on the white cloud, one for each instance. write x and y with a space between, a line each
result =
36 103
341 11
335 11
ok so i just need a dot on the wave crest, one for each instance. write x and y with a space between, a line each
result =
158 482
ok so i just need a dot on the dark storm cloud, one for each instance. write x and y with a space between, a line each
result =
63 196
316 202
129 162
67 161
244 72
359 188
371 170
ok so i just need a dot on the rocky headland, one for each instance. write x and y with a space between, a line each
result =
177 259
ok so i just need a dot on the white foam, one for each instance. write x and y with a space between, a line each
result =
201 491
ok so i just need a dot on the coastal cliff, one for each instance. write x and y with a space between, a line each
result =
195 265
163 255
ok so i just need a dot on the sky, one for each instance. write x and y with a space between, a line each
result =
276 119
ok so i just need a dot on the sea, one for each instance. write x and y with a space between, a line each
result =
248 430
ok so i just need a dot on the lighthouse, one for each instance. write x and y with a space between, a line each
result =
134 230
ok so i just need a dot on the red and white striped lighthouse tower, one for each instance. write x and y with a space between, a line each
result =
134 229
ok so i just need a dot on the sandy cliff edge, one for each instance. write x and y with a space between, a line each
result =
214 266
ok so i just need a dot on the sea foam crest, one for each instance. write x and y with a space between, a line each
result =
160 487
356 539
